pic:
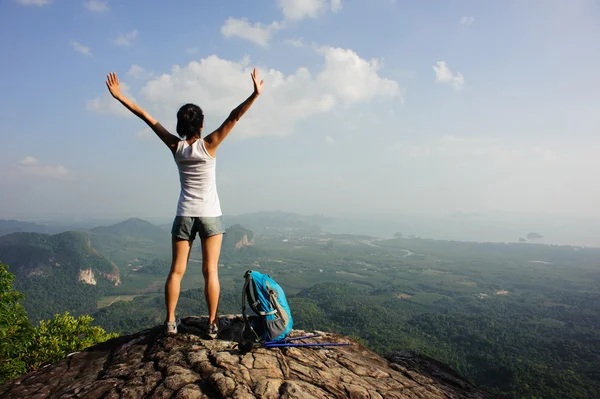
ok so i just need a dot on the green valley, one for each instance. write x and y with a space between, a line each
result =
521 319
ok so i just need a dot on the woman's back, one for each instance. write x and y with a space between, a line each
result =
197 176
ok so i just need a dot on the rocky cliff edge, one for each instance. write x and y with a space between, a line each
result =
150 364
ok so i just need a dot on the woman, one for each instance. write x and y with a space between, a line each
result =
198 210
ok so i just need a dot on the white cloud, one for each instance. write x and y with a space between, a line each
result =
300 9
336 5
106 104
127 39
445 75
329 140
29 161
191 50
96 5
137 72
80 48
30 166
465 20
293 10
245 61
295 42
219 85
257 33
39 3
352 79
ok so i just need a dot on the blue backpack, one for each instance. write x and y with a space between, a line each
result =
266 298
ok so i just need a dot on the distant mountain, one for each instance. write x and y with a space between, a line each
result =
277 222
130 239
238 243
134 228
57 272
237 237
17 226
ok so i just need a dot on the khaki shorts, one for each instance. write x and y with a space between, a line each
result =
186 227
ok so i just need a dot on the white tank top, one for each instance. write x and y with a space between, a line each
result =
198 180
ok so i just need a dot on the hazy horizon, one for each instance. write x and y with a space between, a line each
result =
501 227
429 112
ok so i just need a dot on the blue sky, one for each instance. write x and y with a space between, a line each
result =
423 107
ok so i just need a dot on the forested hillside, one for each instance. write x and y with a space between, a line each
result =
57 273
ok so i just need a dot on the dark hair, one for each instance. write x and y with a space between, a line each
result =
189 120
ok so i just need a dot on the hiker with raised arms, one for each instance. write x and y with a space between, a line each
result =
198 209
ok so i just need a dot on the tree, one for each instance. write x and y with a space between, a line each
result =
15 328
56 338
24 348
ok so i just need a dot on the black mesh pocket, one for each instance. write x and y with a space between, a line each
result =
275 327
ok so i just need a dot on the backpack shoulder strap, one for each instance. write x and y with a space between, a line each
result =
252 297
253 301
244 298
247 285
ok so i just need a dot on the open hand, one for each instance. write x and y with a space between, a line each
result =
257 85
112 82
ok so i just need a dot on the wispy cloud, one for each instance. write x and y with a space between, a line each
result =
39 3
80 48
465 149
96 5
127 39
106 104
257 33
466 20
191 50
30 166
329 140
137 72
445 75
336 5
295 42
292 10
295 10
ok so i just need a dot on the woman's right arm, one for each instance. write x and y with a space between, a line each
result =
112 82
215 138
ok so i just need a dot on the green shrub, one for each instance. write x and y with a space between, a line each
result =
24 348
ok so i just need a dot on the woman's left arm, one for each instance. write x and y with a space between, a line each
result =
112 82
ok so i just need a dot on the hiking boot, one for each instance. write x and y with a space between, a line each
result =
213 330
172 326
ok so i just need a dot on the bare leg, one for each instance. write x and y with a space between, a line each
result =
181 254
211 250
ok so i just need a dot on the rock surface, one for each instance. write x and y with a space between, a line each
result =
150 364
